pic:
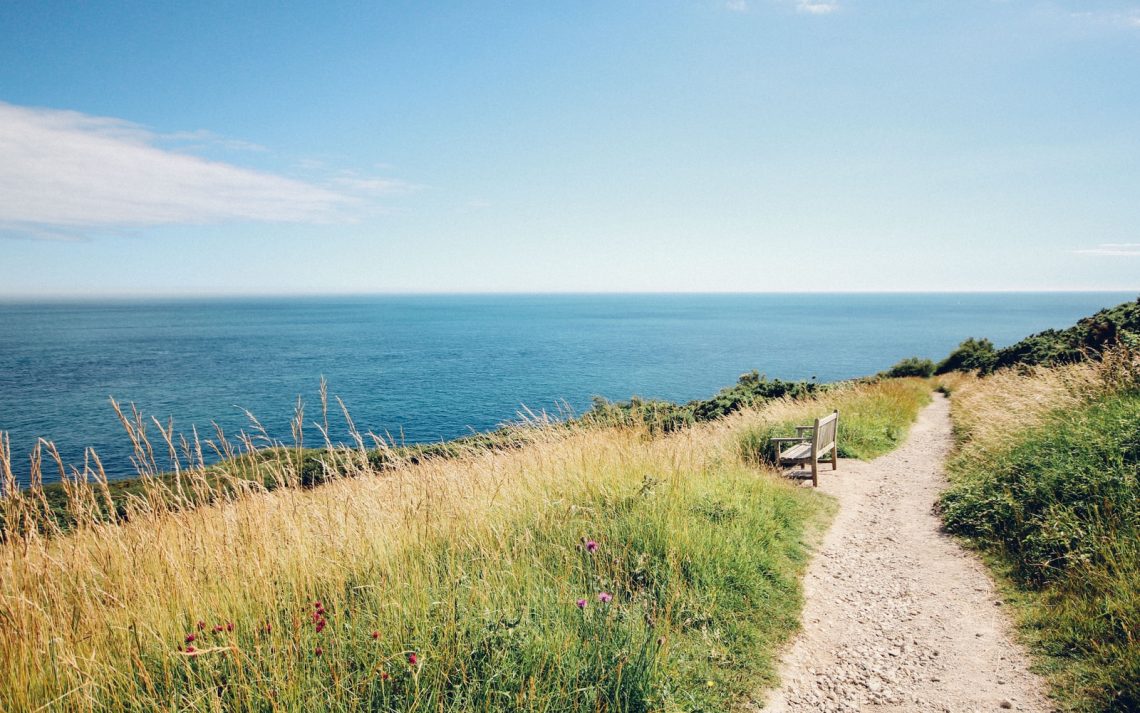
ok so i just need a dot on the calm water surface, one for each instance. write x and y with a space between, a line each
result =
434 367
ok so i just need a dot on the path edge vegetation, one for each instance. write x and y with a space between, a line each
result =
1044 484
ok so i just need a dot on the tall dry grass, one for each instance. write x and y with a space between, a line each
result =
441 583
985 411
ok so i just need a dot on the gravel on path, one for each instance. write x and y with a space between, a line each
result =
898 616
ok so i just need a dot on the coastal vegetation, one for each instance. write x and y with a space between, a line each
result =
1087 339
911 366
1045 483
597 566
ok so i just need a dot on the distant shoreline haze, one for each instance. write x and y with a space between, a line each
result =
431 367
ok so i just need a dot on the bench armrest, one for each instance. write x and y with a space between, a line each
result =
800 429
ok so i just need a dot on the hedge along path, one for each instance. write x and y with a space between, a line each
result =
898 616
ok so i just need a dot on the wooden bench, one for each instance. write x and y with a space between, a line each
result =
810 442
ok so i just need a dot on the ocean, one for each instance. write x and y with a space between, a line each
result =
426 368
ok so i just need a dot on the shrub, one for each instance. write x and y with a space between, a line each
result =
1089 337
971 355
911 366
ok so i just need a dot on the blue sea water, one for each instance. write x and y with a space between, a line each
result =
424 368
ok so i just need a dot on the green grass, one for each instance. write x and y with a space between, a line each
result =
703 569
872 420
1057 511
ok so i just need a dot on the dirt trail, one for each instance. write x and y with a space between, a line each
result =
898 616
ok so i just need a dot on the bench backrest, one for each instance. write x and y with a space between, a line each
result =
824 433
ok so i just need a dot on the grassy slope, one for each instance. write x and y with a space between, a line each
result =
262 468
473 564
1046 484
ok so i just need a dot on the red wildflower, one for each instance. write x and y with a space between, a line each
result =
375 635
413 659
201 625
321 625
190 649
229 626
190 638
318 651
218 628
384 676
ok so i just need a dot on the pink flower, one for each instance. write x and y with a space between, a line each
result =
201 625
218 628
320 626
318 651
229 626
190 638
591 546
375 635
581 603
190 649
605 597
413 659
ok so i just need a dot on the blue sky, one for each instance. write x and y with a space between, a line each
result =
673 145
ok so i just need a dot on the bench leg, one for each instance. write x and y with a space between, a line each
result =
814 473
834 457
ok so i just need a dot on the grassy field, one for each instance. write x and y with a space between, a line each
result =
1045 481
594 569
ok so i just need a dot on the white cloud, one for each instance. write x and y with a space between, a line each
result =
814 7
1110 18
737 5
1113 250
63 171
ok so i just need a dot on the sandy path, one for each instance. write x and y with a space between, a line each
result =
898 616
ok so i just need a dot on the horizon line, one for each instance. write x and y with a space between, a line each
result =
180 296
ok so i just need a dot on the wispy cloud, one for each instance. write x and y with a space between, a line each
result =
1121 18
814 7
375 186
736 5
63 172
1112 249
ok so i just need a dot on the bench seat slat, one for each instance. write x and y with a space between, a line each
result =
798 452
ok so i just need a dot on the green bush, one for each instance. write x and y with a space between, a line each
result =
911 366
971 355
1089 337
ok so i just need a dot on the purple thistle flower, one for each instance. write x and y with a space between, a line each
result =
581 603
605 597
591 546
